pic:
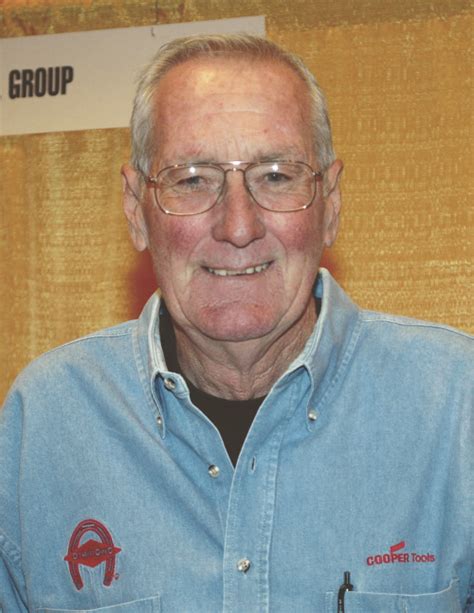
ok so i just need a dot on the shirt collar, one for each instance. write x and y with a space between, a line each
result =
330 345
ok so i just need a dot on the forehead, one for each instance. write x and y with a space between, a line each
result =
215 97
230 72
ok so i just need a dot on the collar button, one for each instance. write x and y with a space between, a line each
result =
169 384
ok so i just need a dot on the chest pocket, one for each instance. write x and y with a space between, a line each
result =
446 601
147 605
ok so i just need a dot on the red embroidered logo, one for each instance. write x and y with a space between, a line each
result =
92 552
394 557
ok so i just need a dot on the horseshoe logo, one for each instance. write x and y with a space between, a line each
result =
92 552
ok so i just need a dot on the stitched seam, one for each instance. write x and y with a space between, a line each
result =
10 550
371 317
95 335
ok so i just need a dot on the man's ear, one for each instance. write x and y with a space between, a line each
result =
132 206
332 201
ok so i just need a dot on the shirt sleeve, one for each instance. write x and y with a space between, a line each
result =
12 584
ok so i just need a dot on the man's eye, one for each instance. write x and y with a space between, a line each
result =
194 180
276 177
191 183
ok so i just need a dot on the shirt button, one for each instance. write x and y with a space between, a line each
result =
312 415
170 384
214 471
243 565
159 421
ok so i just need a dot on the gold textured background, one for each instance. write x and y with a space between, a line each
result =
398 75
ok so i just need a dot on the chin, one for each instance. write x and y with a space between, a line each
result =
239 324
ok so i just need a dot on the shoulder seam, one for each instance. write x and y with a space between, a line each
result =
94 335
372 317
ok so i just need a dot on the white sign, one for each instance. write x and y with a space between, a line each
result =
86 80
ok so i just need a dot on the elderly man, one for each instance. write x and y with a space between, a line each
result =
255 441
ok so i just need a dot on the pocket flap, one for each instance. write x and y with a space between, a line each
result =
445 601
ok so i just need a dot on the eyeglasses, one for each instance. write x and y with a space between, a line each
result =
191 189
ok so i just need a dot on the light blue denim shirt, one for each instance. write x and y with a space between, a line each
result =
117 494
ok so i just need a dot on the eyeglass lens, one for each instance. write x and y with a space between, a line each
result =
190 189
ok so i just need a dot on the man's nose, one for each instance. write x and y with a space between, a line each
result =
239 219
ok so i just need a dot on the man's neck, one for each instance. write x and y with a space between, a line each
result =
244 369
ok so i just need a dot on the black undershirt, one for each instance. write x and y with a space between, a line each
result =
232 418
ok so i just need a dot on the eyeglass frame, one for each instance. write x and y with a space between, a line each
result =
153 180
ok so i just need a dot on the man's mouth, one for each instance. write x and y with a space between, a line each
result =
251 270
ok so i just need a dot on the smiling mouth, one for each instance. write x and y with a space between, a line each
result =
251 270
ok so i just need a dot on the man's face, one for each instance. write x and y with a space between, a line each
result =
219 110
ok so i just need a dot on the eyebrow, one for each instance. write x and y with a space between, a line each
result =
287 154
291 154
